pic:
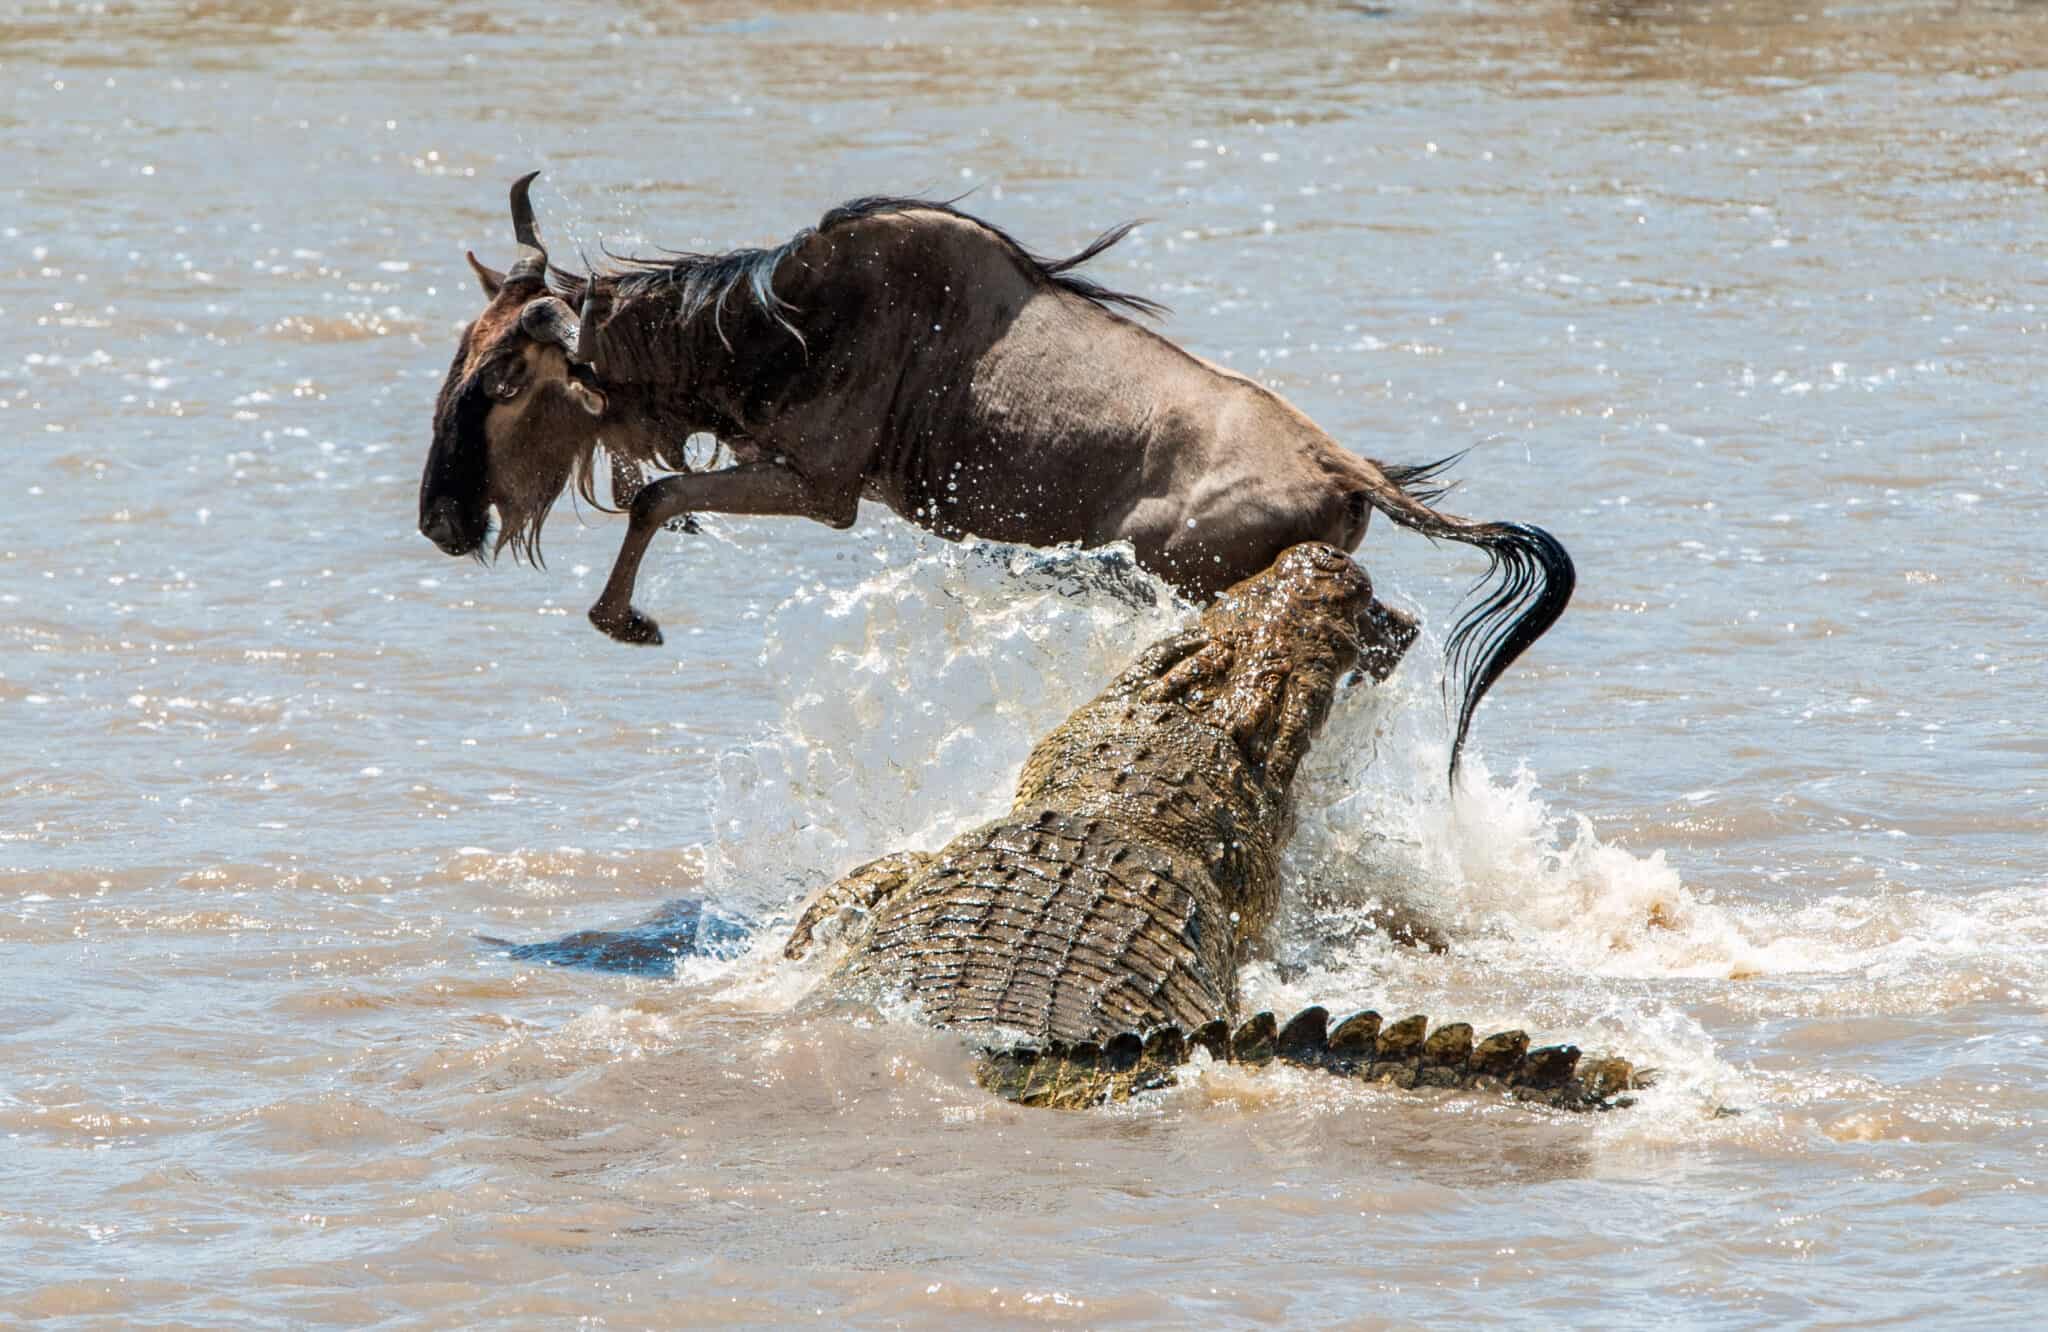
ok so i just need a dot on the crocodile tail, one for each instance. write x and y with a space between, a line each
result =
1527 584
1408 1053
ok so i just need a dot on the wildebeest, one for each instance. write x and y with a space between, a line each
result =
905 352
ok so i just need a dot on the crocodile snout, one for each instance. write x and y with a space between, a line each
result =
1384 636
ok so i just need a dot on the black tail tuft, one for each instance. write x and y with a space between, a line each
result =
1421 482
1529 581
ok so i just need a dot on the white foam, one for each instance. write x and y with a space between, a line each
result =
1493 866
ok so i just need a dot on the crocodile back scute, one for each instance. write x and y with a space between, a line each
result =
1058 925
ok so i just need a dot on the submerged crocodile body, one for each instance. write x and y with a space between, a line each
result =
1091 938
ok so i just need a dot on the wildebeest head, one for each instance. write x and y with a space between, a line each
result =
517 416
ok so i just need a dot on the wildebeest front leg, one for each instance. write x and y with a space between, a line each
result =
750 488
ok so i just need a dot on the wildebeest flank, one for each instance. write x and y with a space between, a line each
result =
904 352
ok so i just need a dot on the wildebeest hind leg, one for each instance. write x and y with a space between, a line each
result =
750 488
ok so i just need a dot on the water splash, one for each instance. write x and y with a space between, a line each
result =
678 930
910 701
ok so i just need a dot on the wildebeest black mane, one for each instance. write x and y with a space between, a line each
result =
698 282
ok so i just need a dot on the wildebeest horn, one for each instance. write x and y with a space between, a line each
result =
549 319
533 258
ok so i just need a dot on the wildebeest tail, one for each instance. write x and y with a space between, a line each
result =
1528 582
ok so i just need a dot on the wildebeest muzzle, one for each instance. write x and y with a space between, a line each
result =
446 526
454 513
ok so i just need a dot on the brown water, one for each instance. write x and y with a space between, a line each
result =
1747 302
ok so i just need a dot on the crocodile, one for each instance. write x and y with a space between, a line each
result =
1090 939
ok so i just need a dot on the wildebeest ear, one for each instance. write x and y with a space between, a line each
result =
489 278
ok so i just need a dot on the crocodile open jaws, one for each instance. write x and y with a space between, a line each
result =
1091 938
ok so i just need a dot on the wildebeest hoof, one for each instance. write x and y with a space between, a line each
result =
632 627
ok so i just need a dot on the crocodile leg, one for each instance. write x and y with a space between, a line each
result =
860 892
1058 926
1407 1053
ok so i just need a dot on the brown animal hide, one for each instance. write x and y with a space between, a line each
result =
907 353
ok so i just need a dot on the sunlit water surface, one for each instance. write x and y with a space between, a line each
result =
1744 301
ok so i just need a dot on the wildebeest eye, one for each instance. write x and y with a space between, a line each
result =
504 387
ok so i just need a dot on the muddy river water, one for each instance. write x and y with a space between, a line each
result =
1746 301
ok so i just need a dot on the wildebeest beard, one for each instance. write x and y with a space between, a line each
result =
562 457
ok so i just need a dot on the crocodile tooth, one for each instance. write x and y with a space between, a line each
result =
1123 1051
1500 1054
1253 1043
1550 1066
1305 1036
1166 1045
1353 1040
1213 1036
1403 1039
1449 1046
